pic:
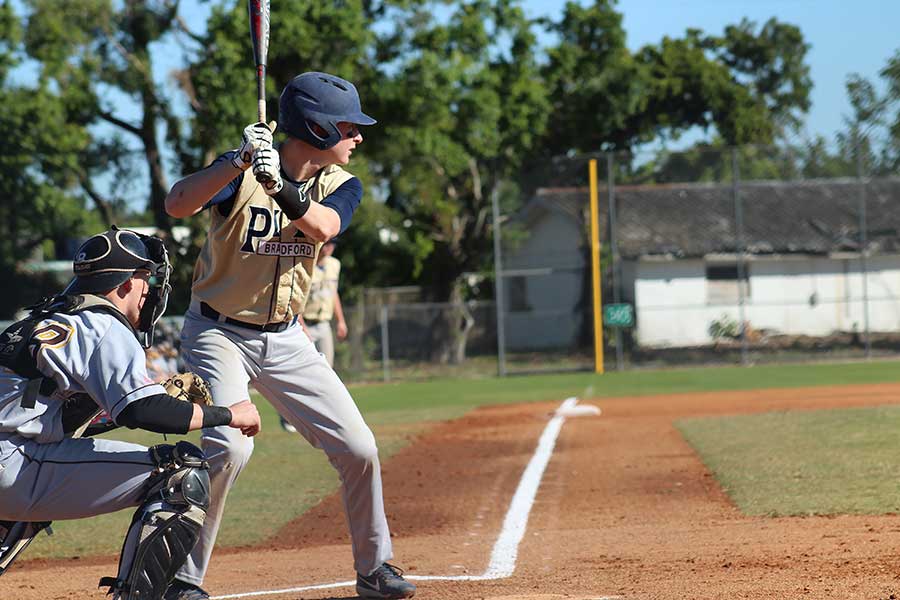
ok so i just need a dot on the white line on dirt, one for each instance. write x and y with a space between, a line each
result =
506 548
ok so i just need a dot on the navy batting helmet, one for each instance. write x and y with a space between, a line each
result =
321 99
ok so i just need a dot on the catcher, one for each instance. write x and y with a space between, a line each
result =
78 354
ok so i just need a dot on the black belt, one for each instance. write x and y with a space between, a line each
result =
209 312
312 321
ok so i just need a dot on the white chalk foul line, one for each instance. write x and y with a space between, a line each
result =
506 548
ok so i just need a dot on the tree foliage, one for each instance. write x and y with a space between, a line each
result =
459 114
742 86
96 58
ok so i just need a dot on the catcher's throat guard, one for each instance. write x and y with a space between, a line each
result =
15 537
165 528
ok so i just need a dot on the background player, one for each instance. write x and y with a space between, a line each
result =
78 354
322 304
250 284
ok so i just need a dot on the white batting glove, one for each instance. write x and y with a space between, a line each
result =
267 169
254 136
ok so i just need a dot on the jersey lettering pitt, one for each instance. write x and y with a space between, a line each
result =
255 265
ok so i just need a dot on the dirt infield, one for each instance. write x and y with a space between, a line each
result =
625 509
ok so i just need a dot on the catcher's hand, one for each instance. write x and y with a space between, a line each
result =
188 387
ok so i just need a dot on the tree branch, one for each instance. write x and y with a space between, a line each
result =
476 180
110 118
182 26
103 205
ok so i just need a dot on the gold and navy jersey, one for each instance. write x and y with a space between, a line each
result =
255 265
322 291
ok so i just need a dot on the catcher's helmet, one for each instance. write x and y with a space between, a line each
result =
109 259
324 100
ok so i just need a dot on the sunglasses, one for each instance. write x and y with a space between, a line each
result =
352 132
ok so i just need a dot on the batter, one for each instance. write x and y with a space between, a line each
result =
251 282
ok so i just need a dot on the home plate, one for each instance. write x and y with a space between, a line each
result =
570 409
550 597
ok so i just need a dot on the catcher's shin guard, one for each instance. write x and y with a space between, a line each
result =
15 537
166 526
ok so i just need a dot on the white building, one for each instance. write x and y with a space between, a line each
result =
802 272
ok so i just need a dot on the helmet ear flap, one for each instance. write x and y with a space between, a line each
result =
325 139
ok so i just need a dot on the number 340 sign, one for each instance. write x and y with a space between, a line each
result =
618 315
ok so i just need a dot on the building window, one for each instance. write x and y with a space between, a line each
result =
722 283
518 294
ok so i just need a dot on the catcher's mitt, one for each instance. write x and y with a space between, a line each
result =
188 387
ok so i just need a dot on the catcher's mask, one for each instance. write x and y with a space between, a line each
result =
109 259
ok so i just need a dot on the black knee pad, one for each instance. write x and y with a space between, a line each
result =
166 526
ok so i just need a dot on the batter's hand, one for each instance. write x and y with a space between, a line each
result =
341 330
267 169
254 136
245 417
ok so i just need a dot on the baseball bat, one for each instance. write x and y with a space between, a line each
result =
259 37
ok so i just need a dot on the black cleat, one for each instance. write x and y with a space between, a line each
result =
386 582
181 590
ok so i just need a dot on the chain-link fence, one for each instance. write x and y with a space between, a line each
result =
723 256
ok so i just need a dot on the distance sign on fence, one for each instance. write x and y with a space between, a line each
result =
618 315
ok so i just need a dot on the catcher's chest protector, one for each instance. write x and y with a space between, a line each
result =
166 526
18 353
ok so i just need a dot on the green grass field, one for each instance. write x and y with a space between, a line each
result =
285 476
805 462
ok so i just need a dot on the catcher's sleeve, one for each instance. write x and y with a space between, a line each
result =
164 414
161 414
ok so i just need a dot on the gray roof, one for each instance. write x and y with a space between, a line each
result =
819 216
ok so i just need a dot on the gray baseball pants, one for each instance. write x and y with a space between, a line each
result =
288 371
69 479
321 335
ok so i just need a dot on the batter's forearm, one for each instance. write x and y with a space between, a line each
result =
188 196
320 223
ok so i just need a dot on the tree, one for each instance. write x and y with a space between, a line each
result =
36 184
872 133
771 63
744 85
462 106
97 56
869 142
